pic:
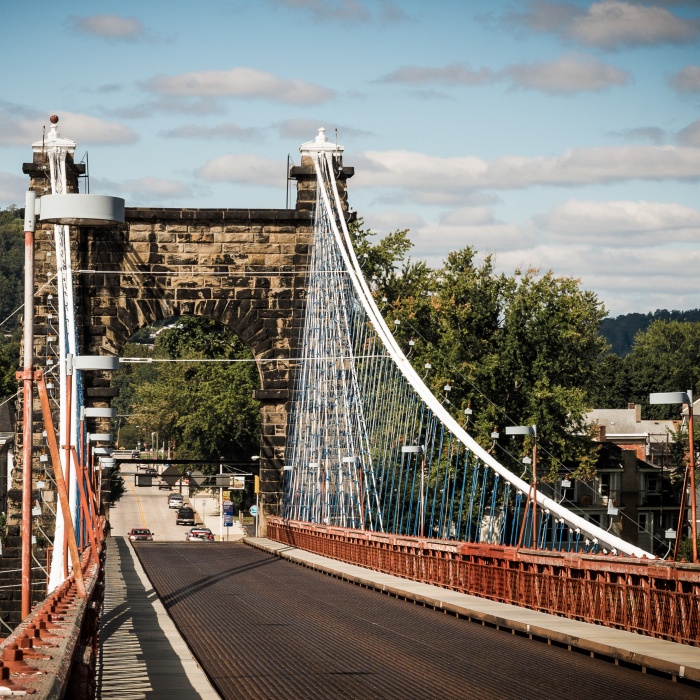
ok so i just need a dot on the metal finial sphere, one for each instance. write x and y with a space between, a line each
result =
53 119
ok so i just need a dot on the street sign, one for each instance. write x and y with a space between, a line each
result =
171 475
223 480
226 496
237 483
197 478
228 508
228 520
253 510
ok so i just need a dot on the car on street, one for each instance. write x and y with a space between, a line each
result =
165 485
176 500
199 534
140 534
185 516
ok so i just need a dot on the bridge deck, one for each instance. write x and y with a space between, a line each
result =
265 628
649 654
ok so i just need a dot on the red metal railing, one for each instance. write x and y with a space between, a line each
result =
652 597
53 651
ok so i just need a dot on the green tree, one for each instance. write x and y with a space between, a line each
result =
665 357
518 349
11 297
206 408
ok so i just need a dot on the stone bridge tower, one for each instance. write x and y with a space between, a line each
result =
245 268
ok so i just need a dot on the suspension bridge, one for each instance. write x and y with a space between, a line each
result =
373 470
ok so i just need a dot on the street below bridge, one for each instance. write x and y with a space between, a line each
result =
260 626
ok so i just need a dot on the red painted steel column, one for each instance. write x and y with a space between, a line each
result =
691 467
534 494
60 485
27 427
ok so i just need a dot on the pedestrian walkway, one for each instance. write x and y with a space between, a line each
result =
646 653
142 654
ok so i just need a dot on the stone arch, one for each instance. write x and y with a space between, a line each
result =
245 268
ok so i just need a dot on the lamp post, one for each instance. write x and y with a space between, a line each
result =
256 458
221 500
418 449
685 397
530 430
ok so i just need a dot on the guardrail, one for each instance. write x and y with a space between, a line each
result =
652 597
52 654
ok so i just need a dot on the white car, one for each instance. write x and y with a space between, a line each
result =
175 500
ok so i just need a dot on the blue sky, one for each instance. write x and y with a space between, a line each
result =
554 135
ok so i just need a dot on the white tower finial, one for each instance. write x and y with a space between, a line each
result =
320 143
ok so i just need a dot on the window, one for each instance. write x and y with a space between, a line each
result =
643 523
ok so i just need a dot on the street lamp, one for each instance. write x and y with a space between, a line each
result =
685 397
256 481
530 430
221 500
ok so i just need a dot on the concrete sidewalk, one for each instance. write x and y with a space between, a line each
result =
646 653
142 654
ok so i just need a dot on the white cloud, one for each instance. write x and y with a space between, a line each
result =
306 129
652 134
238 82
90 130
349 12
109 27
12 189
436 239
424 175
346 11
144 191
690 136
229 131
611 25
149 187
453 74
392 220
467 216
246 169
625 279
636 256
687 79
622 223
24 127
567 75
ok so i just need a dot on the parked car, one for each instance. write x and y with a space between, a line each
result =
185 516
201 534
140 534
176 500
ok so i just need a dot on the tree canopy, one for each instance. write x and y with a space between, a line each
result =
517 349
205 409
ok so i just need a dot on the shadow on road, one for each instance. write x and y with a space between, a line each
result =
135 653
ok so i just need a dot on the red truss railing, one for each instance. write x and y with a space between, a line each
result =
647 596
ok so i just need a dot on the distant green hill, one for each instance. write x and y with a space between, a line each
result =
620 331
